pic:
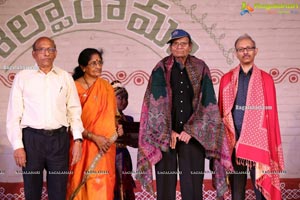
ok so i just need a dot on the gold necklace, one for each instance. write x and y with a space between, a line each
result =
85 94
86 82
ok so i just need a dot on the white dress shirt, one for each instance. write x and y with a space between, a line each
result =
42 101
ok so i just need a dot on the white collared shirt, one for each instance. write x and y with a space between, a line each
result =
42 101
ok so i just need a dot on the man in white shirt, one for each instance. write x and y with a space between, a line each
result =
43 103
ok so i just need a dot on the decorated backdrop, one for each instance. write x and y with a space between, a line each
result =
133 35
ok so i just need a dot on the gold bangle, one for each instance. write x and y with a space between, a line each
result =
89 135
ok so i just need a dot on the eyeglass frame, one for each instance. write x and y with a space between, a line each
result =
50 50
177 44
95 63
241 50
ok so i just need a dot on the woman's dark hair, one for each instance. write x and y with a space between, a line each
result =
83 60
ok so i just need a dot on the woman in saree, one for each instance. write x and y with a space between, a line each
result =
93 177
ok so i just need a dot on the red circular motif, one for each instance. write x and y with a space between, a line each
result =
121 75
11 77
293 78
138 80
274 72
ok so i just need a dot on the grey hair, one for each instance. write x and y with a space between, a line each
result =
242 37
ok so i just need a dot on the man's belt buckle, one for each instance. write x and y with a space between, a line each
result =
49 132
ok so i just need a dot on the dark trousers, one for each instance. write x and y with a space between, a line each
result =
238 181
191 167
46 150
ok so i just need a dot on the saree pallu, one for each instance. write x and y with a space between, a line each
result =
98 116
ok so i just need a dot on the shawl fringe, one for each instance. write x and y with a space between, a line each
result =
245 162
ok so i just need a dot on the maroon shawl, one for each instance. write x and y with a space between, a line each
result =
205 124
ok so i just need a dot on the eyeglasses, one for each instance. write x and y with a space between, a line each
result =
177 44
43 50
241 50
95 63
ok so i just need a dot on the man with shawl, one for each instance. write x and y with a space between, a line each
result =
179 118
247 102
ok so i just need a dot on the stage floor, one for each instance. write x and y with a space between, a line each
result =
290 190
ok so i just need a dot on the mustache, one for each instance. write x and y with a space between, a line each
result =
246 55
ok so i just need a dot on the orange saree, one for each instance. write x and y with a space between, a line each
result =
93 177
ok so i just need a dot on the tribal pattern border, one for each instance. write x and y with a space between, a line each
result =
140 77
292 73
287 194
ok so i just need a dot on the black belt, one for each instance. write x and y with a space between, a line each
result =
51 132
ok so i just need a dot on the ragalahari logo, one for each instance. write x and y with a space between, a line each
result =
246 9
